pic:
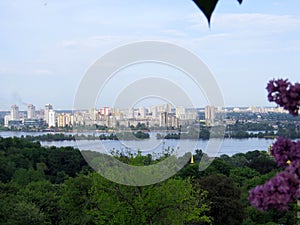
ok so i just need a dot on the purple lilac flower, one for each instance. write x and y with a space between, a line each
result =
275 193
282 151
285 186
294 171
278 191
295 152
285 94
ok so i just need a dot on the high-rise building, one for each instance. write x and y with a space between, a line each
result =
31 111
163 119
162 108
174 121
130 114
6 120
180 112
169 108
106 111
14 112
52 118
61 120
210 114
48 107
142 112
153 111
69 120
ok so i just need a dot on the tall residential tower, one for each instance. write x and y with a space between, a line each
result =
48 107
14 112
210 114
30 111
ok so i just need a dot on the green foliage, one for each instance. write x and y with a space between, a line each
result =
56 186
241 175
19 153
249 126
288 130
273 217
264 163
45 196
75 201
140 127
170 202
238 160
132 135
25 213
226 207
24 177
192 133
190 171
254 216
219 167
95 200
15 210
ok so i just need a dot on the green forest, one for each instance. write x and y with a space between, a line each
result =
51 185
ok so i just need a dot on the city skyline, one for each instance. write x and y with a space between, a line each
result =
46 49
23 107
165 115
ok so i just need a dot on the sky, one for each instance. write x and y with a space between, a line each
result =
47 46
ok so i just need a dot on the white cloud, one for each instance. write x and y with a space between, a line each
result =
27 70
97 41
6 70
3 70
266 23
69 43
42 72
257 22
244 34
174 32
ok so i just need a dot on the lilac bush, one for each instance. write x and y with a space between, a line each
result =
284 150
285 95
284 188
277 192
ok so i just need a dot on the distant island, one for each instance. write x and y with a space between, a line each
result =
70 137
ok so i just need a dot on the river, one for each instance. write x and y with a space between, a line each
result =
229 146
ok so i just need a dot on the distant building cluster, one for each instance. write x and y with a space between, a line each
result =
153 116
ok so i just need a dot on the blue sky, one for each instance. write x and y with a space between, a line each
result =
47 46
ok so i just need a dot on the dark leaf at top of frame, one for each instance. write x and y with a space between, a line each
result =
208 6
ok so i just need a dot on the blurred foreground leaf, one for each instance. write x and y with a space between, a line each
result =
208 6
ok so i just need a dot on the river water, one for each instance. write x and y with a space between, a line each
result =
227 146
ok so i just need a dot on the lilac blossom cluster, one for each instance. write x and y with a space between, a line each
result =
285 95
278 191
282 189
284 150
275 193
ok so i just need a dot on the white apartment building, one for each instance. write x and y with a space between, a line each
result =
52 118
